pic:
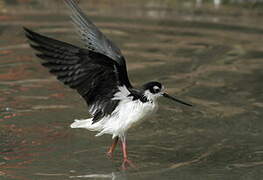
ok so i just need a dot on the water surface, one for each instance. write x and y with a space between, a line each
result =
210 55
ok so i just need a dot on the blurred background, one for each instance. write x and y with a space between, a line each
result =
207 52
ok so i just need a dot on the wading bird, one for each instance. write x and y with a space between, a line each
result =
98 72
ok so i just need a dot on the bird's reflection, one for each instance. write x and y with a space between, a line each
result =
113 176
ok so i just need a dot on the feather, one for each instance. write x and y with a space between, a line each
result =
96 41
90 73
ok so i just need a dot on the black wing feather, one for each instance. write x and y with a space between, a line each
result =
92 74
96 41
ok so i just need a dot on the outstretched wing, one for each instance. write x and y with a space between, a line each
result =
95 40
93 75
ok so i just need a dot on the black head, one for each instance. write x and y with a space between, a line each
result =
154 89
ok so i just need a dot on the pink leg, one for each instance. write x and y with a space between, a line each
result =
112 147
126 162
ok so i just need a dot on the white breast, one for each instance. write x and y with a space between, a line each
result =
127 114
133 112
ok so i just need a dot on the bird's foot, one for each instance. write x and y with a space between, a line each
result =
127 163
110 154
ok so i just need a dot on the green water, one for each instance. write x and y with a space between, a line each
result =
208 55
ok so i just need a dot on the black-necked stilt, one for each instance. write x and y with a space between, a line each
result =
98 72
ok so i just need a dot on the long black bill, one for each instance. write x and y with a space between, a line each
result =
177 100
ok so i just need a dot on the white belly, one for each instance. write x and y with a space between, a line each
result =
126 114
134 112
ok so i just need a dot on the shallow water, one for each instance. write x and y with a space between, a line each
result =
210 55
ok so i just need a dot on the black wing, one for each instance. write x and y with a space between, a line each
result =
93 75
95 40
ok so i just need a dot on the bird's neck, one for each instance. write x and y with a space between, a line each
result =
150 97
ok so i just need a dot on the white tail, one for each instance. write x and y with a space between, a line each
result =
85 123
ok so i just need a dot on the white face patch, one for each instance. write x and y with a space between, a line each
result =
156 88
150 96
